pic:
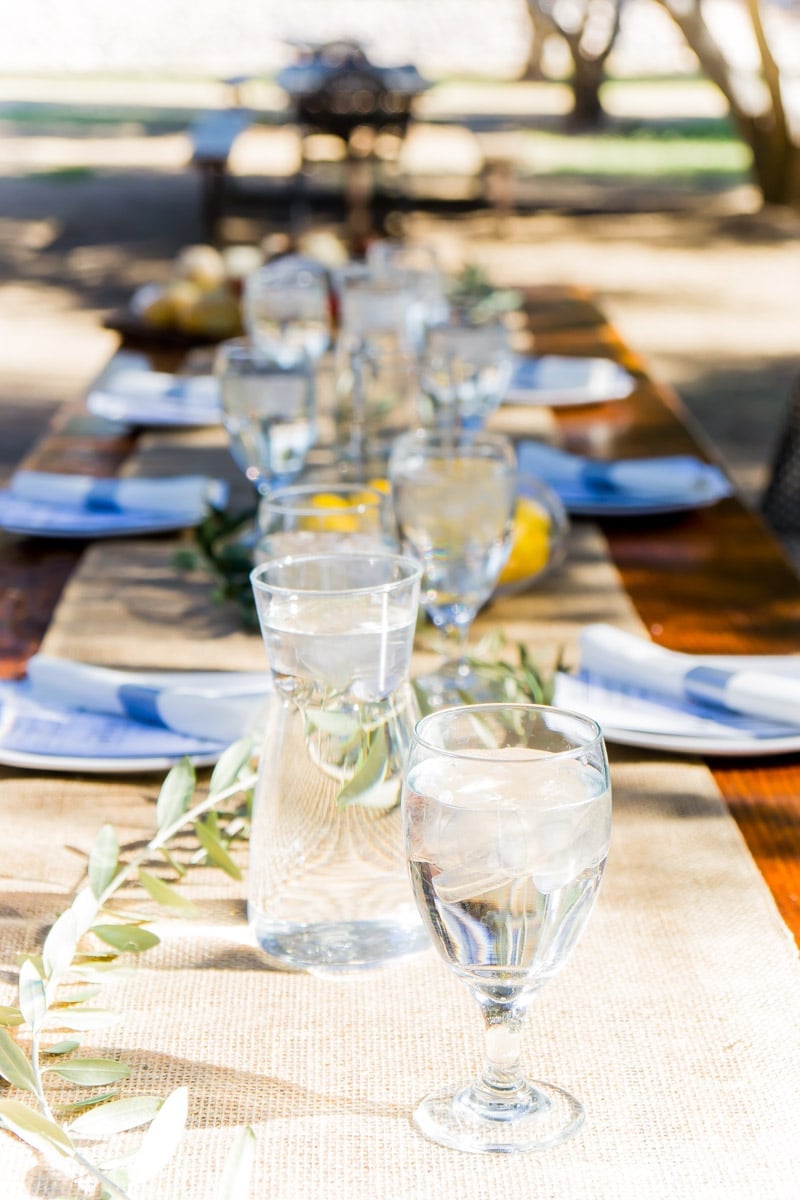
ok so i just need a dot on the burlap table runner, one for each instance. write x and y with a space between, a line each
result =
675 1023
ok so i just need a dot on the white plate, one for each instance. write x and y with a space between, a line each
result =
74 764
707 747
566 382
141 397
31 518
702 494
630 718
42 736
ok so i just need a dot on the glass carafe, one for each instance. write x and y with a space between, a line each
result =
328 890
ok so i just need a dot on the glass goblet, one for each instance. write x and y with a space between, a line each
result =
324 518
286 310
454 496
465 370
507 822
268 411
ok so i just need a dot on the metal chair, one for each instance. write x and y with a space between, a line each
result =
780 504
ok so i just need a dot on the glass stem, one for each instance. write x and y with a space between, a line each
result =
502 1081
457 635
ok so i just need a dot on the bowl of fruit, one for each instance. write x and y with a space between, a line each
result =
199 302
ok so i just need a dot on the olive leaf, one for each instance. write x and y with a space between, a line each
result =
103 860
339 724
162 1137
85 1102
162 893
230 763
176 792
80 1020
91 1072
32 996
118 1116
61 943
216 852
238 1166
126 937
10 1015
14 1064
64 1047
87 993
33 1128
364 788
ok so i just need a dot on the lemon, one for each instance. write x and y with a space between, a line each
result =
530 549
332 522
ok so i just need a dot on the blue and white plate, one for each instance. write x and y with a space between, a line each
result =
142 397
557 382
632 717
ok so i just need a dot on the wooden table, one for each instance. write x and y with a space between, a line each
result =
710 581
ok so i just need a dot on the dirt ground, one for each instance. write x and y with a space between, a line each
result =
704 286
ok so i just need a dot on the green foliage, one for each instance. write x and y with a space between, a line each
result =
43 1004
219 549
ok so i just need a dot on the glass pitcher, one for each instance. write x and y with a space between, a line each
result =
327 889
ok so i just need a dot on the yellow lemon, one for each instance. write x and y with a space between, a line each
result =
530 549
331 522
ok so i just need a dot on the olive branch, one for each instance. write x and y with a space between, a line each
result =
54 988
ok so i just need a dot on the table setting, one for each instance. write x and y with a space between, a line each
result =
400 778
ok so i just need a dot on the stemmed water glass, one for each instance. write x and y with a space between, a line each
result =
507 822
286 310
465 370
268 410
375 360
454 496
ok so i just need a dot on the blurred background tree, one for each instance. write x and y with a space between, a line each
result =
757 97
755 91
589 28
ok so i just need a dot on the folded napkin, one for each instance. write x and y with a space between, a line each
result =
42 504
633 662
188 495
142 397
579 480
217 706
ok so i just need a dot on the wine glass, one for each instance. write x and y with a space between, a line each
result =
416 266
454 496
324 518
507 822
268 411
465 370
286 310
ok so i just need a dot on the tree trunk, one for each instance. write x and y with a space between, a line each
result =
776 157
776 160
542 28
587 78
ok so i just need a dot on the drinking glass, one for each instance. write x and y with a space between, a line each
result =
328 891
416 266
375 386
322 517
454 496
465 370
268 411
507 822
286 310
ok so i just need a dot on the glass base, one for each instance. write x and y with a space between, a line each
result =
456 682
338 947
542 1116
